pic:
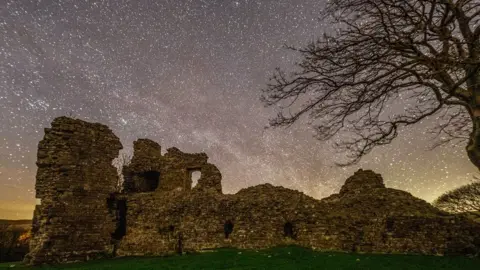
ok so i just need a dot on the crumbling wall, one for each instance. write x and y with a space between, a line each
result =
210 179
74 179
365 195
80 216
178 167
362 218
143 172
198 220
167 223
149 171
426 235
361 181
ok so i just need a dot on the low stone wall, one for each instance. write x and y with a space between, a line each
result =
260 215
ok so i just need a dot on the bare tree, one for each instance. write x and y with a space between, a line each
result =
123 159
423 53
463 199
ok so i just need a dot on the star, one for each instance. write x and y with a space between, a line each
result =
186 74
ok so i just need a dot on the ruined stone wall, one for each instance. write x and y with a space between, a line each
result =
178 167
75 177
143 172
362 181
210 179
202 227
160 213
426 235
149 171
155 223
377 219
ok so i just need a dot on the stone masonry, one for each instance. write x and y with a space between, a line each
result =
149 171
158 212
75 177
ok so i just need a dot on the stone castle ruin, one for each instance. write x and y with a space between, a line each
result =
81 214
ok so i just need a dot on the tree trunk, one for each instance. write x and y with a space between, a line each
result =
473 146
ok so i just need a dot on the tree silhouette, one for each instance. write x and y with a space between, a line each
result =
463 199
119 162
425 53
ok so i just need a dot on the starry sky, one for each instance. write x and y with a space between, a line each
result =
189 74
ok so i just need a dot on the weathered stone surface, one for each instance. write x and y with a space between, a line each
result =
170 216
211 178
364 194
150 171
143 172
377 219
178 168
75 177
362 180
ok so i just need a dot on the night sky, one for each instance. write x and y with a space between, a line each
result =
189 74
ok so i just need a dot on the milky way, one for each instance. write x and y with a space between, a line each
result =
186 74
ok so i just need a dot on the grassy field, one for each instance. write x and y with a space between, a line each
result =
277 258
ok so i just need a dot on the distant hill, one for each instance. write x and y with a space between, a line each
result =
16 222
21 224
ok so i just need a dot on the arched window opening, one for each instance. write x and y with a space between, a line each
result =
289 230
228 228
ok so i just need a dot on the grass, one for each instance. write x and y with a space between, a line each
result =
276 258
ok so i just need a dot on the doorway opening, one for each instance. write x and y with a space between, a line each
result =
121 217
228 228
289 230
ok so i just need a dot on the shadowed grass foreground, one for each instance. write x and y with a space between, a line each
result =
276 258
